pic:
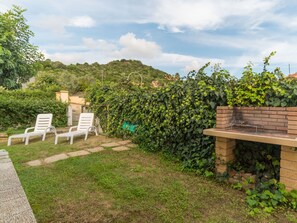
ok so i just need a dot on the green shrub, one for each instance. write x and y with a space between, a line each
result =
20 108
270 195
169 119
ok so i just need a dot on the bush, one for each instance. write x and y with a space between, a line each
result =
169 119
20 108
172 119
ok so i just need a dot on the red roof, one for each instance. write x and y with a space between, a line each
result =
293 75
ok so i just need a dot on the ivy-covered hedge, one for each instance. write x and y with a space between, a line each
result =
170 119
20 108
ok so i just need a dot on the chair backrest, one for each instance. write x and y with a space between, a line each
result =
85 121
43 121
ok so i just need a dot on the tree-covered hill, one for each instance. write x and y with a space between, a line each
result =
77 77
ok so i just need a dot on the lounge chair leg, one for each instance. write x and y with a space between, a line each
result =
96 131
9 141
71 140
86 136
43 138
56 140
27 140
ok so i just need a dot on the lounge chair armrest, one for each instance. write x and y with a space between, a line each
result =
73 127
51 129
91 128
27 129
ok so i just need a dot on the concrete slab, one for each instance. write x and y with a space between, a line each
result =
96 149
14 205
78 153
3 153
120 148
111 144
56 158
34 163
124 142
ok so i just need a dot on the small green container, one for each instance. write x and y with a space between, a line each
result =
129 126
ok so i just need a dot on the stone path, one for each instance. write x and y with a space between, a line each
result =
14 205
115 146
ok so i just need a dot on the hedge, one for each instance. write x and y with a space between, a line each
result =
20 108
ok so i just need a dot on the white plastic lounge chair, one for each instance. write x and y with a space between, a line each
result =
43 125
85 125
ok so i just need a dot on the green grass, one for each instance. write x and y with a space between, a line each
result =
127 186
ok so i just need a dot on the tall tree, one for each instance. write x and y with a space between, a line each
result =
18 57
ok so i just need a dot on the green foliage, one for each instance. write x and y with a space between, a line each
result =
17 56
78 77
268 88
258 158
171 118
268 196
20 108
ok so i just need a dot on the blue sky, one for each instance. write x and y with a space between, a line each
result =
172 35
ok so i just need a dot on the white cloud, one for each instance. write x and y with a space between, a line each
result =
82 21
210 14
3 8
99 44
248 30
128 46
133 47
54 23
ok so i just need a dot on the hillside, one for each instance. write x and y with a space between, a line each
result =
77 77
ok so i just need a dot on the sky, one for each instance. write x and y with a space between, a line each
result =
175 36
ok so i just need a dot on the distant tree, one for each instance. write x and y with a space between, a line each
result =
18 56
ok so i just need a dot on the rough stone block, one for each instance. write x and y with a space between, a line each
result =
120 148
221 168
289 155
291 174
34 163
111 144
223 152
96 149
131 145
78 153
124 142
289 182
56 158
290 165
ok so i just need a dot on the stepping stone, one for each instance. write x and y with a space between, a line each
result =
124 142
56 158
131 145
78 153
96 149
120 148
111 144
34 163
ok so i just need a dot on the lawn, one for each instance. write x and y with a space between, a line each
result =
125 186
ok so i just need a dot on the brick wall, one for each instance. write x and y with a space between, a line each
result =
288 170
224 116
281 119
